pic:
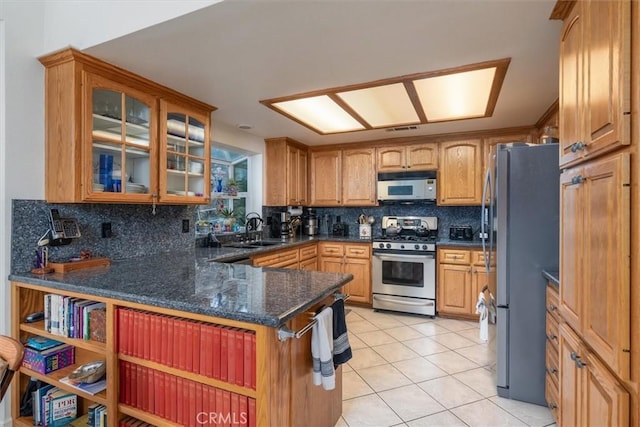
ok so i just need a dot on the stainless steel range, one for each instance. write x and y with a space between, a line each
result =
404 265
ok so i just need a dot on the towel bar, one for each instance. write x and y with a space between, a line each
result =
284 333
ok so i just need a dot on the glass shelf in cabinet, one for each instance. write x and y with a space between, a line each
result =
115 125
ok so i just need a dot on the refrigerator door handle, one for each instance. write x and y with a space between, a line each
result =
484 220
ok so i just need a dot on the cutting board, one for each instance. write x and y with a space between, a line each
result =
65 267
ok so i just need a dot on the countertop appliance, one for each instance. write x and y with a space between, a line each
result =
407 187
404 265
522 222
310 226
460 232
280 225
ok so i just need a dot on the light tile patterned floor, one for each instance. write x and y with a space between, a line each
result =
416 371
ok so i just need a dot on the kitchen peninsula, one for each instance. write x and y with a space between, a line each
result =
199 293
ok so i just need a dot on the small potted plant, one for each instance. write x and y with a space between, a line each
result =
229 219
232 187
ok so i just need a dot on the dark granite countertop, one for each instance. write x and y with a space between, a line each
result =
553 276
467 243
188 281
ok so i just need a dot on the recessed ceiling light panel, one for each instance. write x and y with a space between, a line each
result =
382 106
321 113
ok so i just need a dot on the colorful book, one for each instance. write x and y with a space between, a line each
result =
42 343
89 388
63 407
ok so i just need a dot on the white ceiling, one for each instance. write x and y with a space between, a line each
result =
235 53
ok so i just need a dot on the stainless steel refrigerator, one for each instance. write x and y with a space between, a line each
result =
521 220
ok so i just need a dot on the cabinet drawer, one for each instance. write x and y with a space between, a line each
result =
277 259
552 331
309 252
331 249
477 258
357 251
553 302
551 364
454 256
552 396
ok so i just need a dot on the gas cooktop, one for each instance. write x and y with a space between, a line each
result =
407 233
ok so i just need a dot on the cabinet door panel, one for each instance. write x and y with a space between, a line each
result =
360 287
359 177
303 183
604 401
454 289
571 235
460 173
326 178
391 159
606 310
291 176
422 157
570 383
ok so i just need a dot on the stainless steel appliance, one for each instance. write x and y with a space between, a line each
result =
522 222
461 232
280 227
404 265
310 225
407 187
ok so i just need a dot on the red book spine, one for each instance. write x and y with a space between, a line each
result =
164 340
244 411
139 330
159 403
206 360
143 388
171 337
123 383
127 383
203 414
252 412
254 367
121 335
217 350
226 408
224 353
186 403
182 341
188 347
151 389
211 410
239 356
192 414
131 324
197 331
235 409
219 406
139 385
146 337
246 352
153 340
172 398
179 399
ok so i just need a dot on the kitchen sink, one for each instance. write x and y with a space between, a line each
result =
250 245
263 243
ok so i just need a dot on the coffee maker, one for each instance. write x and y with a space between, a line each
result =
310 226
280 225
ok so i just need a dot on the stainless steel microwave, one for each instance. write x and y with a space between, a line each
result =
407 187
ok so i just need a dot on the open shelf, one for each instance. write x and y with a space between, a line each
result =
53 378
144 416
112 125
37 328
133 152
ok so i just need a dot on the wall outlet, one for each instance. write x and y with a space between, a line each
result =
106 230
185 226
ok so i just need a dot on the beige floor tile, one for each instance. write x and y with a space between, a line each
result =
452 340
481 380
356 342
376 338
410 402
473 335
365 358
450 392
404 333
341 423
395 352
481 354
441 419
353 316
414 320
457 325
451 362
361 326
486 413
420 369
425 346
354 386
385 321
383 377
347 368
533 415
368 411
430 329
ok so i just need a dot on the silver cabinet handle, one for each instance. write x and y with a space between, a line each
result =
387 299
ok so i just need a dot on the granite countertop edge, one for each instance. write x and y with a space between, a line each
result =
465 243
553 276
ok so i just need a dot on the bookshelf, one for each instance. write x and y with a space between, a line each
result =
282 368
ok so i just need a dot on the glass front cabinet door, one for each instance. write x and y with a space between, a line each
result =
122 134
184 155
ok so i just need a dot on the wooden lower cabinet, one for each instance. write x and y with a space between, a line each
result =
282 393
352 258
461 277
552 363
288 258
589 394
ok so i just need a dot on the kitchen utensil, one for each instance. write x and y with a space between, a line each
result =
362 219
89 372
253 221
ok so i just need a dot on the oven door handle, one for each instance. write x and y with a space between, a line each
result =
403 301
403 257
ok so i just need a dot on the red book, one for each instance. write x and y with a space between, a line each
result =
143 385
139 330
206 360
171 398
235 409
171 337
197 330
252 412
182 343
239 356
254 367
246 352
180 399
151 389
188 347
226 408
216 350
164 340
159 403
224 353
146 338
121 336
186 403
128 331
211 409
192 414
198 416
152 337
123 383
127 384
139 386
219 406
244 411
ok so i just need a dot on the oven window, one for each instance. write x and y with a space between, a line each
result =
403 273
400 190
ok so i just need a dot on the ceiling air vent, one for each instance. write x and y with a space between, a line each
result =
397 128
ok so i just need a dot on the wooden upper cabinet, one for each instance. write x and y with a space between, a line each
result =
417 157
594 80
286 172
492 141
359 177
460 173
325 172
105 133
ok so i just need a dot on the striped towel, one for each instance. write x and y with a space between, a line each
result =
341 347
322 350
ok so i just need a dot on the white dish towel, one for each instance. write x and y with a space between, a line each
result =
322 350
481 308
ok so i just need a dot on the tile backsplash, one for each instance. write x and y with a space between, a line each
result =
136 231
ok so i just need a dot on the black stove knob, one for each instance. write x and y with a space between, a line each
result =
381 245
424 247
401 246
388 245
417 247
